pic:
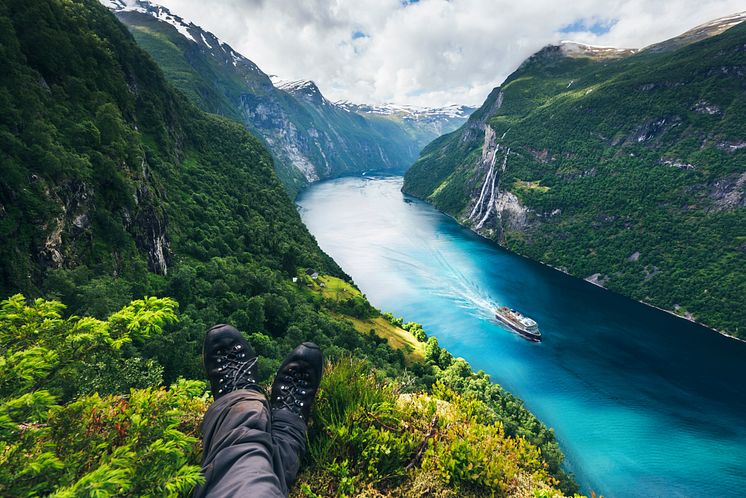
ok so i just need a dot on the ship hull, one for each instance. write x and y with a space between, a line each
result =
526 335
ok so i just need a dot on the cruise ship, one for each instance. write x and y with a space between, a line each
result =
525 326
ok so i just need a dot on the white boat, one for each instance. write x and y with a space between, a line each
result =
524 325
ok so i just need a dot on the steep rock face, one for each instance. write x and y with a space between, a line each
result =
310 137
586 155
495 210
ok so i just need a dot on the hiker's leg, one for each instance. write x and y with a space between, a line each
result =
289 437
240 458
293 393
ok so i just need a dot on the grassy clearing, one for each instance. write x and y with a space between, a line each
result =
398 338
336 289
333 288
536 185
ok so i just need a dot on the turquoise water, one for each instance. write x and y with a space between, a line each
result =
643 403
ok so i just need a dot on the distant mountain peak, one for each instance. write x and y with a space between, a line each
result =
714 27
411 112
706 30
190 31
577 49
304 89
298 85
310 137
158 11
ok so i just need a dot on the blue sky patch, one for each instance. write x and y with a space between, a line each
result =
595 25
358 34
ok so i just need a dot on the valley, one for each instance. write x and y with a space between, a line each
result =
617 166
154 182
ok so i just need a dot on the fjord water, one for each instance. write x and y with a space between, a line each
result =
643 403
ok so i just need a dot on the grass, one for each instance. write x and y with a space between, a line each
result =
336 289
535 185
398 338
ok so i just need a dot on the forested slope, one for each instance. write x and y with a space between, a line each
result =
623 167
115 187
310 137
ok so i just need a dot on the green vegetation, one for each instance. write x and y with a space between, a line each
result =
84 413
630 167
77 415
295 126
520 185
114 187
350 305
370 437
396 337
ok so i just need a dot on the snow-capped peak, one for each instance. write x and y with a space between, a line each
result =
701 32
157 11
189 30
305 89
306 86
573 48
453 111
723 23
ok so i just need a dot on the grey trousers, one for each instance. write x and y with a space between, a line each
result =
248 450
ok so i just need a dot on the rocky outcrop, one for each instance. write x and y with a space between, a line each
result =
654 128
151 238
597 279
494 208
70 233
511 213
149 224
729 193
73 200
477 121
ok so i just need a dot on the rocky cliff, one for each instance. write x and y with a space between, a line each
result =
624 167
310 137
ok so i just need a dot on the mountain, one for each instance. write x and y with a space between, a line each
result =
101 164
423 123
310 137
152 221
623 167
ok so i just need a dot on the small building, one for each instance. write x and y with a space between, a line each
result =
312 273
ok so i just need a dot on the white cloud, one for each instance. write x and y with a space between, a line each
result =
432 52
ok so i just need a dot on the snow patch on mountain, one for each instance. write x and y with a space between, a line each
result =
157 11
453 111
304 89
724 22
204 40
576 49
701 32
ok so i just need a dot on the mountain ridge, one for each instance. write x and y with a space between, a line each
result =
624 171
311 138
115 186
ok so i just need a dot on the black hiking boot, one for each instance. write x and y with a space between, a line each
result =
229 360
298 380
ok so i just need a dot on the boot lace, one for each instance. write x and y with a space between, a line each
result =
294 390
234 370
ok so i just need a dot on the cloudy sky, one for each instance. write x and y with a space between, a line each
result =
429 52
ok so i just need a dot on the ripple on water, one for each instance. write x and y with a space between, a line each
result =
643 403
